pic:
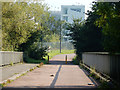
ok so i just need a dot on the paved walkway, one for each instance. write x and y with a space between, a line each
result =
55 75
9 71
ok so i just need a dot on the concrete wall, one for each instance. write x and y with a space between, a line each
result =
7 57
104 63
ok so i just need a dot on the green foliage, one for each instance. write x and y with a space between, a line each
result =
35 51
23 24
76 61
31 60
104 85
85 35
92 70
109 20
91 74
11 63
16 26
54 30
26 26
100 32
8 81
31 69
3 84
54 38
38 53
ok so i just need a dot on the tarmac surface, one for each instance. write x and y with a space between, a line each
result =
57 74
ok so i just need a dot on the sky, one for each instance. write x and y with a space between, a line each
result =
55 5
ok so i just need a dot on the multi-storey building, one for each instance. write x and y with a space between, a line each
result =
70 12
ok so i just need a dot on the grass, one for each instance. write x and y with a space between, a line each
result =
57 52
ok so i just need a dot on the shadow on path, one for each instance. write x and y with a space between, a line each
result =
55 78
60 62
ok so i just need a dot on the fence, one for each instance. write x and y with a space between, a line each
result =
104 63
56 45
8 57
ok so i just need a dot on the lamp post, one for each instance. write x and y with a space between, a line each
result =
60 37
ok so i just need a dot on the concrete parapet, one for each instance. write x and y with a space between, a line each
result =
8 57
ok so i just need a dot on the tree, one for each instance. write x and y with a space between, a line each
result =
86 36
26 25
23 24
109 20
16 26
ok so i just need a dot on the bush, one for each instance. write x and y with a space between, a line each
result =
76 60
38 53
86 36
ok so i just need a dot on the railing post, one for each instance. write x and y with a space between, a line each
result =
48 58
66 59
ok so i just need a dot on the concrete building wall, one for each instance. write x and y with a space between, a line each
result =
70 12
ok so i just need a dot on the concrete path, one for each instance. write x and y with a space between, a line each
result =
60 59
9 71
55 75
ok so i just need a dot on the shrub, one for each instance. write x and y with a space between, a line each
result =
76 60
38 53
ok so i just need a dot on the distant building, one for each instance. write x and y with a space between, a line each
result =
70 12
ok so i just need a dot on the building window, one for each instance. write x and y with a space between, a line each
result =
77 9
65 18
65 11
